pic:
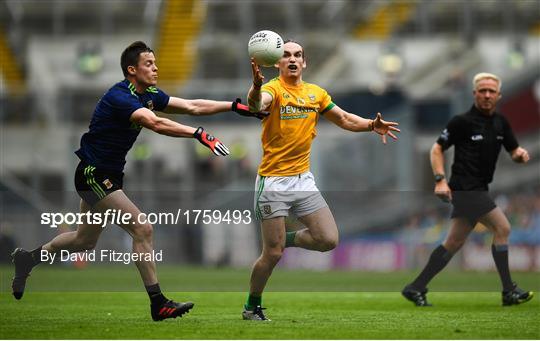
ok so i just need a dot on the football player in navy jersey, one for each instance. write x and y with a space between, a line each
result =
117 120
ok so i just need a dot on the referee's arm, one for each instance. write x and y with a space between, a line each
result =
436 156
520 155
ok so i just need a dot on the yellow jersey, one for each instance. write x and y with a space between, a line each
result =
289 130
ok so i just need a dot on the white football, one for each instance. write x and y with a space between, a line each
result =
266 47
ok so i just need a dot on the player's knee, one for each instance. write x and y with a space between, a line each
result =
273 255
332 243
143 232
326 242
86 244
503 231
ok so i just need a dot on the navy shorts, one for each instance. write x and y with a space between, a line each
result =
94 184
471 204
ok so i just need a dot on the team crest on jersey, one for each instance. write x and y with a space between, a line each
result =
311 97
267 209
477 137
286 95
301 101
108 184
150 105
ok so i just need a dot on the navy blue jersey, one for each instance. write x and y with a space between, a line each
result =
111 133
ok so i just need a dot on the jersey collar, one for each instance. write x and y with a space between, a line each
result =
287 85
474 111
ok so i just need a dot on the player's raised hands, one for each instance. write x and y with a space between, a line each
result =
384 128
258 77
214 144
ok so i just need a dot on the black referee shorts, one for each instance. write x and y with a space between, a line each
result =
94 184
471 204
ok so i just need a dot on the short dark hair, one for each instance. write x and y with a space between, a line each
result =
296 42
130 56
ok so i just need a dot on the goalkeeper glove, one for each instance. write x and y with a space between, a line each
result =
243 110
215 145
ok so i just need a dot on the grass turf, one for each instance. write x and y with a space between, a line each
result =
302 305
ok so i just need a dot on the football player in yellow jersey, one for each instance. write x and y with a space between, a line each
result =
284 183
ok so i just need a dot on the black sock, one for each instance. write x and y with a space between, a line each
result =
36 255
154 292
437 261
500 256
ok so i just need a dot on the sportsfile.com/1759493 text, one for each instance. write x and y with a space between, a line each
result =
118 217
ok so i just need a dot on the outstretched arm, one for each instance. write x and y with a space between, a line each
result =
197 107
161 125
208 107
355 123
164 126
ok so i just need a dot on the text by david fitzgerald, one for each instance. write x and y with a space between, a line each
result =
102 256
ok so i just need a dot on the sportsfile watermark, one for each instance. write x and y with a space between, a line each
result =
111 256
118 217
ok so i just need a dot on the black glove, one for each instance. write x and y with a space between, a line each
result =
211 142
243 110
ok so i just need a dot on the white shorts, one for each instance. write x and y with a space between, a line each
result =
276 195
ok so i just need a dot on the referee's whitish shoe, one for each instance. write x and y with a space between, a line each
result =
516 296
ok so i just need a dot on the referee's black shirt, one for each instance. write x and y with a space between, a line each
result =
477 139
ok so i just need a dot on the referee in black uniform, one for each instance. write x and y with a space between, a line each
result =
477 136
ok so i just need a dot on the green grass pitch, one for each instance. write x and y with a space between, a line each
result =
109 303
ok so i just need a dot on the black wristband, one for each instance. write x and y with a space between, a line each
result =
439 177
197 134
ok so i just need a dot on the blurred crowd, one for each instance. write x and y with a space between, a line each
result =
521 207
427 229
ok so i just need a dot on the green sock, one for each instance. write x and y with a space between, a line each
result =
289 239
252 302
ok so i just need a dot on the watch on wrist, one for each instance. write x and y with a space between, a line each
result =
439 177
